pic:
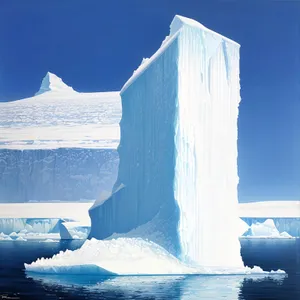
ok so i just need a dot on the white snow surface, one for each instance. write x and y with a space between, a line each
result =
57 116
124 256
58 210
270 209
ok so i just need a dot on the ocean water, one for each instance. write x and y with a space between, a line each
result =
15 283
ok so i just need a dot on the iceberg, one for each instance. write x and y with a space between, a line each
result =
74 230
125 256
179 123
174 207
267 229
285 215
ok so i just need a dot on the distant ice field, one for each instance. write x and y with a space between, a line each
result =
58 118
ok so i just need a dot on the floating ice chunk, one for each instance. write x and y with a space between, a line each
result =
265 229
20 238
124 256
285 234
74 230
4 237
50 241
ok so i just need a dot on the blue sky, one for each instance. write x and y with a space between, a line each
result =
96 45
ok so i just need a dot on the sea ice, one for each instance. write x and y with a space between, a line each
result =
124 256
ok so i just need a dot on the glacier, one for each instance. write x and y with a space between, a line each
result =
266 229
59 145
179 122
74 230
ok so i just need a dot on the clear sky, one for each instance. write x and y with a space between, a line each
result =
96 45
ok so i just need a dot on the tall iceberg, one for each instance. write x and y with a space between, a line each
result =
177 180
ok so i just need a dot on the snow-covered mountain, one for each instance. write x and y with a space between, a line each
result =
52 83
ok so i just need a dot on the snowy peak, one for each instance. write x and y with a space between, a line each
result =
53 83
179 21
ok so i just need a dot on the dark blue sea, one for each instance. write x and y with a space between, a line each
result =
269 254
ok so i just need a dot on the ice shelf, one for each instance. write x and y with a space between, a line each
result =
57 117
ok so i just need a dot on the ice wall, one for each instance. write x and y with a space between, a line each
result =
66 174
178 150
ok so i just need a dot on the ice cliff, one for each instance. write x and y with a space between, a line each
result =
65 174
177 180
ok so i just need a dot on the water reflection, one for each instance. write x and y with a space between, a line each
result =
157 287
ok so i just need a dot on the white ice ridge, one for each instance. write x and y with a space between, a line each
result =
57 117
56 210
124 256
52 83
270 209
179 121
